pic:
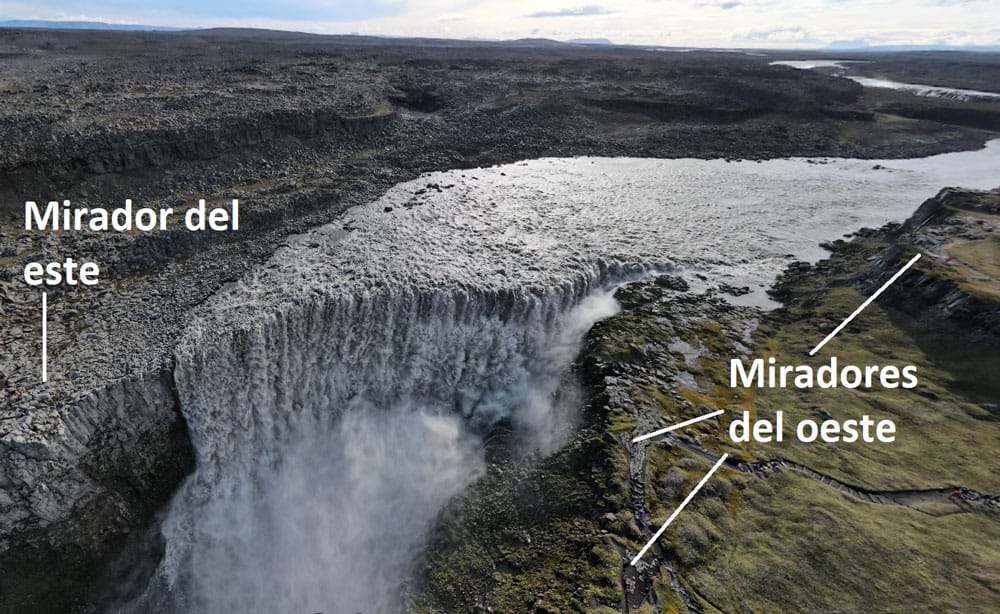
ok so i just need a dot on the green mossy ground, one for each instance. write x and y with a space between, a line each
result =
782 542
526 537
775 541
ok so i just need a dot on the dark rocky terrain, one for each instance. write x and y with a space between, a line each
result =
299 128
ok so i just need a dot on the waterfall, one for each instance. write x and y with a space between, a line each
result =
331 432
336 400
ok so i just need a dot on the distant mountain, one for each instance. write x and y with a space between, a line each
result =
590 41
531 42
80 25
861 45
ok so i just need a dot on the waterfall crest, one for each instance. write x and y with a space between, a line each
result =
330 433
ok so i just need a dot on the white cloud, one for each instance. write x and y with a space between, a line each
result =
728 5
778 35
767 23
580 11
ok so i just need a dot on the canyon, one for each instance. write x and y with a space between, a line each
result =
426 280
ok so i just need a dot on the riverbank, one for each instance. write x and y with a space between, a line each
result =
782 526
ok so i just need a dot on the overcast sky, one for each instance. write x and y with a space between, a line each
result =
716 23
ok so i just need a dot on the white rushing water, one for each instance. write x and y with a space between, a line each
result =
932 91
337 400
812 64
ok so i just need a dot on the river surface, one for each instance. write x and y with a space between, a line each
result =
932 91
339 398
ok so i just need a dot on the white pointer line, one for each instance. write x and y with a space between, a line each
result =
678 425
871 298
677 511
45 337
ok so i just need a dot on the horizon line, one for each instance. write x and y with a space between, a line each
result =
596 41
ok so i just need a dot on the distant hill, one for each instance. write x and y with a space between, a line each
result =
861 45
590 41
80 25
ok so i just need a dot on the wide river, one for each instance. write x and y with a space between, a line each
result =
338 399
